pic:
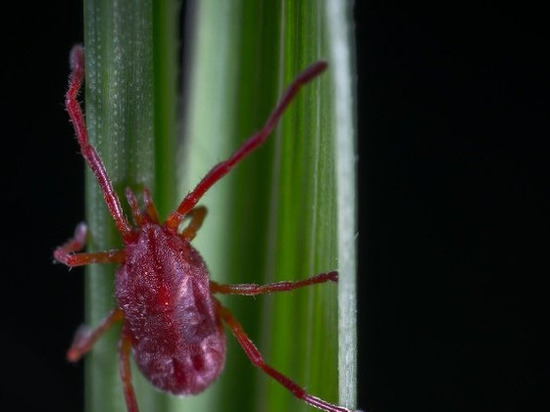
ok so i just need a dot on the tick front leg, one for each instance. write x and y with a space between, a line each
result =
81 259
134 207
125 345
86 337
256 358
150 213
150 207
251 144
197 216
90 154
66 252
250 289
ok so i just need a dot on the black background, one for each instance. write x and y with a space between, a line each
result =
453 191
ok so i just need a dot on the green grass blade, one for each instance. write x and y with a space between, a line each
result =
131 55
278 216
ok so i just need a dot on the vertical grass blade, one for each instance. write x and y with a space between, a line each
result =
131 54
342 48
280 215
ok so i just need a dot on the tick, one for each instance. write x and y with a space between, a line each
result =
171 321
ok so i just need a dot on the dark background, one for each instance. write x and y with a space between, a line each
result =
453 124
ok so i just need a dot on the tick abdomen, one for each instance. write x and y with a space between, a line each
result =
169 315
176 365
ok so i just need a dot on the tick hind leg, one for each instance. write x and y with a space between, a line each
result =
256 358
86 337
125 345
66 252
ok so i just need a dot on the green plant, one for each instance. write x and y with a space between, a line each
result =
280 215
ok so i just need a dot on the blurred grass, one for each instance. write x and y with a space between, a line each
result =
276 217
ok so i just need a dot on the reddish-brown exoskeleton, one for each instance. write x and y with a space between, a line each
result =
170 319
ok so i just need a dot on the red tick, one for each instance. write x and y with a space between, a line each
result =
171 321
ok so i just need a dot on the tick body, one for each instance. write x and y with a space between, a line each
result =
171 321
169 314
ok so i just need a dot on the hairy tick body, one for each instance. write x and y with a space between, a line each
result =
171 321
178 340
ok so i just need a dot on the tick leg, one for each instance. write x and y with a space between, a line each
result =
150 206
256 358
132 201
76 243
86 337
65 253
88 152
125 346
197 216
249 289
222 168
150 210
82 259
